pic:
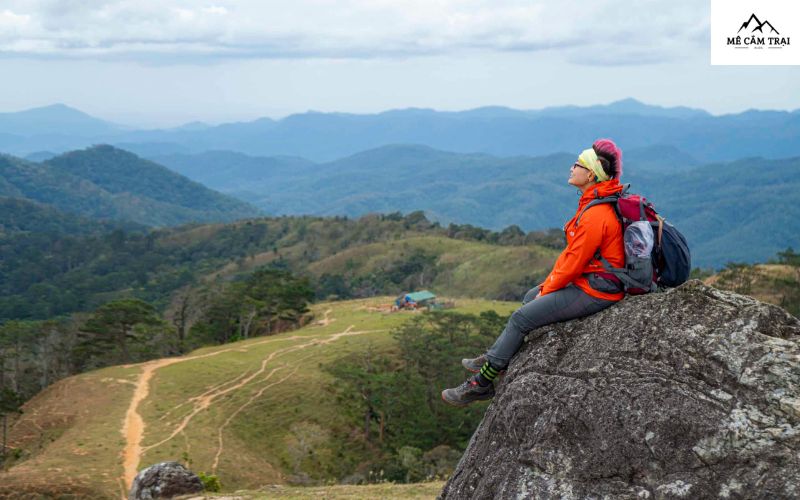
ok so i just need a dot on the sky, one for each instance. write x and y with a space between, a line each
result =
164 63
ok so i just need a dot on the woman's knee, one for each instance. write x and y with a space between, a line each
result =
531 295
519 320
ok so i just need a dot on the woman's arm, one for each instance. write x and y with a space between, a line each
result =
580 250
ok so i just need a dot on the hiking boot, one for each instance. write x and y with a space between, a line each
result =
475 365
467 393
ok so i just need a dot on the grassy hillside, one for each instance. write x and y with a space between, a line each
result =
242 411
777 283
465 268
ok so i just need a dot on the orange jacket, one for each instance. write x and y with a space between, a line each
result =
599 229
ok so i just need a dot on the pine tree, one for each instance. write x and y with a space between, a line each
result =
112 327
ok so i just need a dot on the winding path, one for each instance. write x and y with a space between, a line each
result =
134 426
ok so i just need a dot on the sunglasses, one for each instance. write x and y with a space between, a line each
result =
576 164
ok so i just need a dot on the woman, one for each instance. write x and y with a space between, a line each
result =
577 286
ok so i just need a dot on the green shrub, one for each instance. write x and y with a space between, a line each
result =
210 482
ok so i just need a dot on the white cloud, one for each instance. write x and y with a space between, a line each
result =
12 26
350 29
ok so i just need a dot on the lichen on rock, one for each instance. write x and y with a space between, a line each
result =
164 480
691 393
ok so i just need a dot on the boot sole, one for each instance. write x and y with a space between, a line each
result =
462 405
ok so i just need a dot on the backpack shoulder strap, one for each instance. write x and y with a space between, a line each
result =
607 199
598 201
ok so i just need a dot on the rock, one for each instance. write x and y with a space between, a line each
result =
692 393
164 480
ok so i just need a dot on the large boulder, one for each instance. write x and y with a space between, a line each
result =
164 480
692 393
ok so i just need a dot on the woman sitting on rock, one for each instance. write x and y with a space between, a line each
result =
576 287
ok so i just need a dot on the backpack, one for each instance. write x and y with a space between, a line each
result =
656 253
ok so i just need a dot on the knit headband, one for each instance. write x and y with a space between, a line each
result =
588 159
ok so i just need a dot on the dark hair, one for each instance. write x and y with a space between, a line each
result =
610 157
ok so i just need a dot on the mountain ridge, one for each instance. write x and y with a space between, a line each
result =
108 183
490 129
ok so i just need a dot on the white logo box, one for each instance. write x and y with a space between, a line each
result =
755 33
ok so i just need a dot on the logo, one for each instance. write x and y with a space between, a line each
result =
759 25
747 41
755 32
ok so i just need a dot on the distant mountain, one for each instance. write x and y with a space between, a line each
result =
741 211
623 107
246 177
659 157
406 177
46 185
627 107
746 210
193 126
450 186
56 119
492 130
108 183
498 131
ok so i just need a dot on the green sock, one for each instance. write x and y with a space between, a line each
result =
487 374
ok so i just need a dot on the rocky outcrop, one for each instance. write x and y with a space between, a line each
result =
164 480
692 393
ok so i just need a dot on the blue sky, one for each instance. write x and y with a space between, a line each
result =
174 61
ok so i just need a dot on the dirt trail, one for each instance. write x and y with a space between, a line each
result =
134 426
220 445
325 321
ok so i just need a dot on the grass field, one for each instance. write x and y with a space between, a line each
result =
469 268
240 411
384 491
772 283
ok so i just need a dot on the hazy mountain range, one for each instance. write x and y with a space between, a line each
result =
494 130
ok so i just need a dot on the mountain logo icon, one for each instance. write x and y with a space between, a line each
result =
759 26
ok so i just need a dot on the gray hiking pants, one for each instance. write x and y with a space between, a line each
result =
562 305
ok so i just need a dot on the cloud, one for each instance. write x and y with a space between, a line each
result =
349 29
